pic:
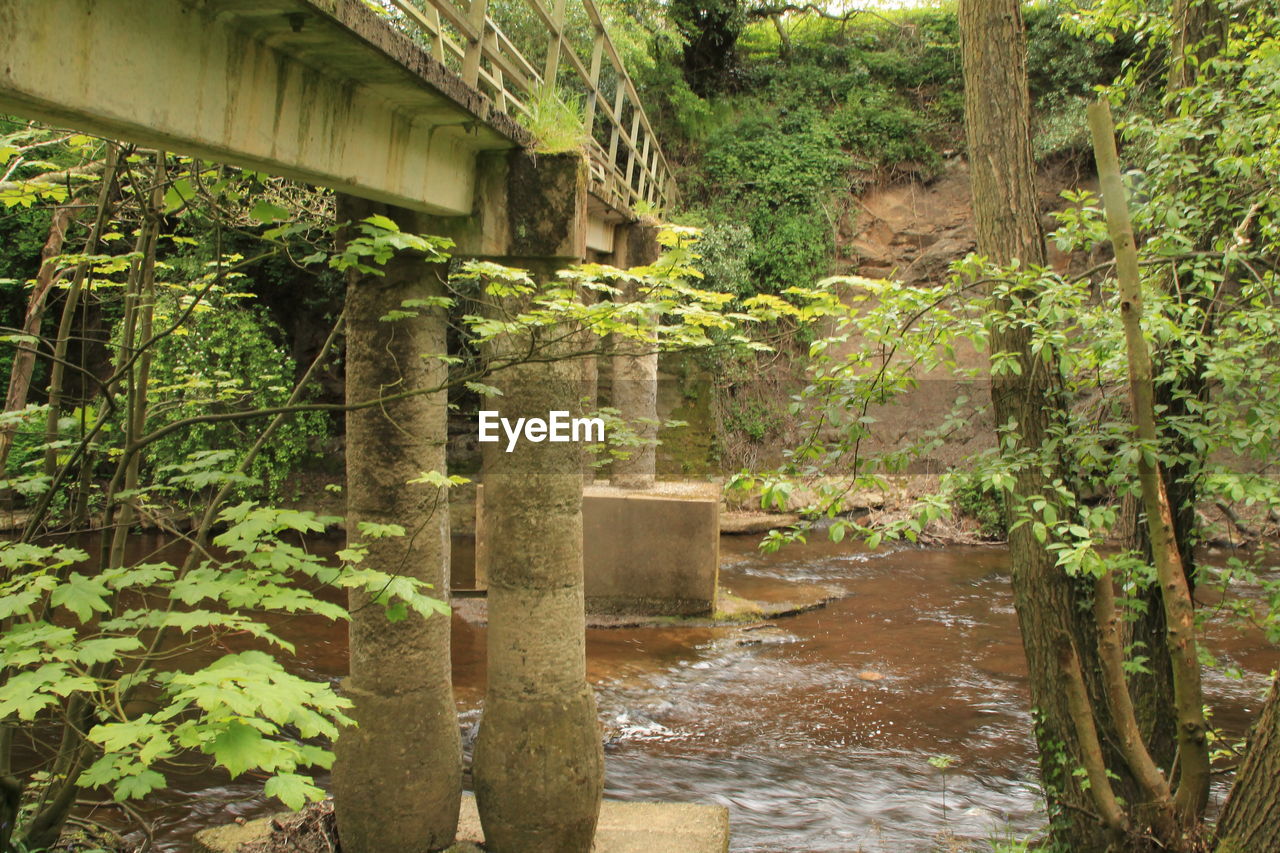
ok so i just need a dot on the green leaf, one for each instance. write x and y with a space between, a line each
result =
117 737
103 649
380 221
138 785
179 194
238 748
293 790
374 530
82 596
267 213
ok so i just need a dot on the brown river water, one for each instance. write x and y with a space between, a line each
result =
779 723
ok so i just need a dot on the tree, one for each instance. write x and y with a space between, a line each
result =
1135 794
1025 392
710 29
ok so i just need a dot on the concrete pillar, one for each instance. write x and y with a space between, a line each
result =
590 402
398 776
539 765
635 371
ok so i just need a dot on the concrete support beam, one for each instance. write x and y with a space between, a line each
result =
539 764
528 207
650 552
624 828
635 371
321 91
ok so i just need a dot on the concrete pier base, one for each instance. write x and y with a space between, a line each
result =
623 828
646 552
653 551
635 828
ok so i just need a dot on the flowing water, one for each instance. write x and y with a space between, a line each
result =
816 731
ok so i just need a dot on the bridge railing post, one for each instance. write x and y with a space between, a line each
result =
476 18
555 45
593 93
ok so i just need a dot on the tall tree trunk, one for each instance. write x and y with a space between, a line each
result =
398 776
1050 605
539 765
71 306
1251 817
24 359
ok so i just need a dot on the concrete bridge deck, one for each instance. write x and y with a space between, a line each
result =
327 92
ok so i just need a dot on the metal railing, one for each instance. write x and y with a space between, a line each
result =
536 58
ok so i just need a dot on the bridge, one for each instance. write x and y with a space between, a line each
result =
396 101
411 108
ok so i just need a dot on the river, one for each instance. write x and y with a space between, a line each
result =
817 730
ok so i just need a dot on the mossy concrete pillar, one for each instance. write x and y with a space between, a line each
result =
398 776
635 371
539 765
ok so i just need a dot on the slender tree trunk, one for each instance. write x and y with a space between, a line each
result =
1198 33
784 38
58 797
70 307
1251 817
1180 637
1199 30
138 335
398 777
539 765
1051 607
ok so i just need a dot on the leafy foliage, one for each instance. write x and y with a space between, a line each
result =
90 641
776 172
229 357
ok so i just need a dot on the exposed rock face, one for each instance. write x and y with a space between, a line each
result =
912 231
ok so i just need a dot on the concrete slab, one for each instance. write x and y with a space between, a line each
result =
623 828
649 552
653 551
637 827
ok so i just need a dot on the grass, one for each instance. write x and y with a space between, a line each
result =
556 122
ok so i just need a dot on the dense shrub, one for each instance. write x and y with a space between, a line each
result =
774 174
724 253
228 359
794 127
976 500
